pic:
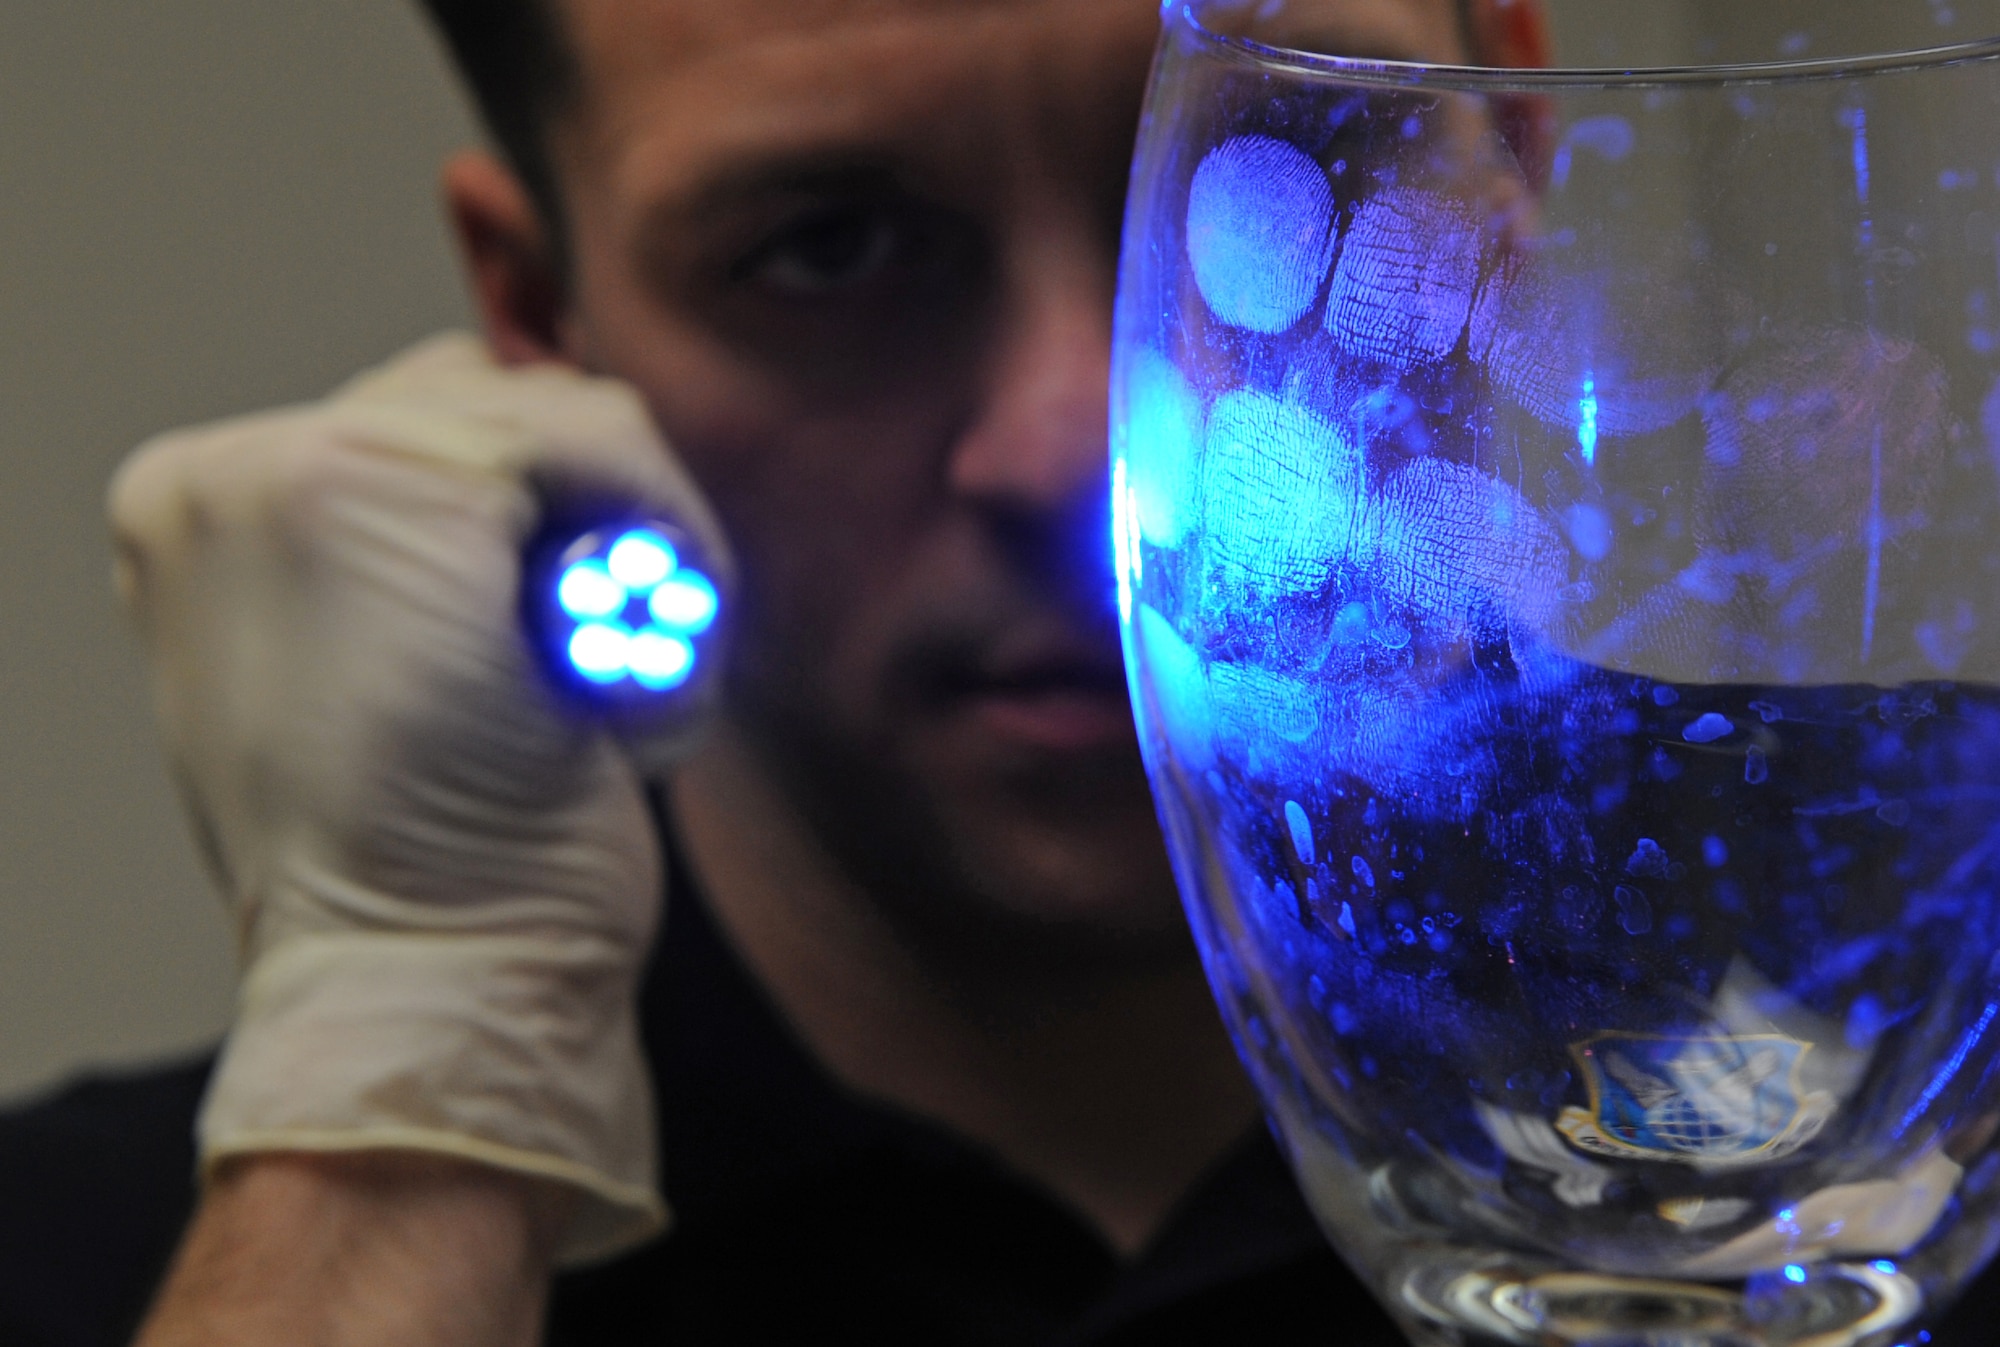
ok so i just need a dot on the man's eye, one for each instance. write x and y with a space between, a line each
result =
829 250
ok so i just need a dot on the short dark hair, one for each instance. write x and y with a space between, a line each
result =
516 56
523 72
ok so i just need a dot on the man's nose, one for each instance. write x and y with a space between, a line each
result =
1038 440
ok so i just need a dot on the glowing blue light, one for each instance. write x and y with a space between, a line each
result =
587 591
1159 435
659 661
1856 120
641 559
1586 426
1123 550
1884 1266
1858 124
1946 1073
600 651
1177 686
686 603
1795 1274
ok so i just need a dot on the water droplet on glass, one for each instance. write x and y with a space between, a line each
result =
1635 913
1302 835
1708 728
1647 859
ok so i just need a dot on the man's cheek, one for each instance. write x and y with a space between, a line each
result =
803 643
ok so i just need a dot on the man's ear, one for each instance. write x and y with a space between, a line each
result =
516 276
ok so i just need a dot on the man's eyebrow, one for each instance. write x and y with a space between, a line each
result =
812 173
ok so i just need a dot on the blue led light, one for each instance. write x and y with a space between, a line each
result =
620 611
1884 1266
658 661
587 591
1795 1274
685 603
600 651
641 559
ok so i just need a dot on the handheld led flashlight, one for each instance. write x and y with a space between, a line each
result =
621 613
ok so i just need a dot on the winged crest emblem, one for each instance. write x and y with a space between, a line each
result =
1695 1099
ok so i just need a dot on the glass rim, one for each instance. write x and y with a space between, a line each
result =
1446 77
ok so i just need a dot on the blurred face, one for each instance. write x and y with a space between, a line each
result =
860 255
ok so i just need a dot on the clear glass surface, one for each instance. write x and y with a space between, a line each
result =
1556 529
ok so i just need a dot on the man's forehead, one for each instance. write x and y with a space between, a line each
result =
677 92
662 34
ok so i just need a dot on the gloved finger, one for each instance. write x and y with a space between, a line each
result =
566 433
197 489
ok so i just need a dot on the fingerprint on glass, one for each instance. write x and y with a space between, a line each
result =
1409 267
1259 232
1281 493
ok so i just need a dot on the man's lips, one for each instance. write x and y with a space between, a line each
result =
1054 703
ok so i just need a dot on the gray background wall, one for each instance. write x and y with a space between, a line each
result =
205 206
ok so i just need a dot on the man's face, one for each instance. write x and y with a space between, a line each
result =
859 255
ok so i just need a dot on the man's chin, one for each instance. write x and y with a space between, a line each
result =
1057 861
1009 826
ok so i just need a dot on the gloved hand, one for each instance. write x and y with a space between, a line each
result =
444 880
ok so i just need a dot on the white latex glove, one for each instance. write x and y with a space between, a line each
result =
445 881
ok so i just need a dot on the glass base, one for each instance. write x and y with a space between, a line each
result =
1468 1304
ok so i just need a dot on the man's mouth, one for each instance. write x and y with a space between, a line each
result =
1055 702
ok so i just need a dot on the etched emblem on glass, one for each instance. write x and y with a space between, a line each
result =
1707 1101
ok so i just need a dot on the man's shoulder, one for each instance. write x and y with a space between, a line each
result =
96 1182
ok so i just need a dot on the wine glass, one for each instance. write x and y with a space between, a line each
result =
1558 543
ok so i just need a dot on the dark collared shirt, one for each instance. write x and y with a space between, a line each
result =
802 1214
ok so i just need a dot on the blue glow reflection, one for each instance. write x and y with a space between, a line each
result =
1586 427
